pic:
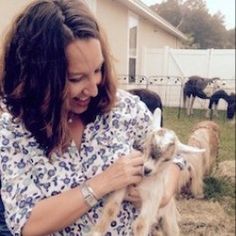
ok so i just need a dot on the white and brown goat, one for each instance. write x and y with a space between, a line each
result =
160 147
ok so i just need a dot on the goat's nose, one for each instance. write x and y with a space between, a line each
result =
147 171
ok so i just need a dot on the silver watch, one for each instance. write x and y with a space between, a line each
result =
88 195
180 162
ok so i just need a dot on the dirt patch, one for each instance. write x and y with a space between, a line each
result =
208 218
204 218
226 169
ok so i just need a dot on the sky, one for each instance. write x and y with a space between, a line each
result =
226 7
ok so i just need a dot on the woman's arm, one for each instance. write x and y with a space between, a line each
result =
57 212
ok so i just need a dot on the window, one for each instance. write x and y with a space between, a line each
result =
133 33
132 69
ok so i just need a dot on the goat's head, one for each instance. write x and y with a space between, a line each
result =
161 146
219 84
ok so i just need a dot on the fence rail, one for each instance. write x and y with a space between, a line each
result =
170 89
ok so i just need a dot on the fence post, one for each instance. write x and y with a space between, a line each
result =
165 65
143 62
210 51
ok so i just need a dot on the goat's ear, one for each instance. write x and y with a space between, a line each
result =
183 148
156 118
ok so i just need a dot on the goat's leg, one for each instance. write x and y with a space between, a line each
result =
191 105
207 162
208 113
188 104
170 226
197 185
209 110
147 217
215 110
184 100
110 211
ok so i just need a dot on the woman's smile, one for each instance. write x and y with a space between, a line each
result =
82 101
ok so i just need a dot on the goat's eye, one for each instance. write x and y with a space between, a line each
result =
153 157
141 149
171 144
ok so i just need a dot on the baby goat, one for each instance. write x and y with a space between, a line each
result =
160 148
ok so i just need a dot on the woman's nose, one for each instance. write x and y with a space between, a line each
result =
91 88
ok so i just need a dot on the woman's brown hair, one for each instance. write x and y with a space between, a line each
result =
35 67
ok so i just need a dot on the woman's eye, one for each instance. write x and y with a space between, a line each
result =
75 80
98 70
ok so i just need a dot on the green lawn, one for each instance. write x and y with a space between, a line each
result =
182 125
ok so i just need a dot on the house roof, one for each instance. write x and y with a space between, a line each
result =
143 10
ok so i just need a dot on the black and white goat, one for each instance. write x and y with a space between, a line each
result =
214 101
150 98
160 148
197 86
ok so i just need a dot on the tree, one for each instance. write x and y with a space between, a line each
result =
193 18
230 35
167 8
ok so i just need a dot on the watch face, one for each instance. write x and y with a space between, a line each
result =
88 196
92 201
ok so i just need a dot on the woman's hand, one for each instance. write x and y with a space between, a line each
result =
127 170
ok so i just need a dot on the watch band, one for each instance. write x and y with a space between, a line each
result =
88 195
180 162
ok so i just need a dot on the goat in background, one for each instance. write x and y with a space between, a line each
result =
197 86
230 99
150 98
206 135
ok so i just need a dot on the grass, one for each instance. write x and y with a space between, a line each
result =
183 124
219 189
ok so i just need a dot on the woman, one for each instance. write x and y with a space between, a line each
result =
69 135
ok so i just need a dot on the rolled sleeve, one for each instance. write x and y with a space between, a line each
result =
19 189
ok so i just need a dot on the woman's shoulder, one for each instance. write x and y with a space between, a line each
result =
10 126
127 102
126 99
6 121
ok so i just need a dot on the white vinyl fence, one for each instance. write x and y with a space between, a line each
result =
166 70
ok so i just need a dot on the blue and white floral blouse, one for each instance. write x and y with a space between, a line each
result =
27 176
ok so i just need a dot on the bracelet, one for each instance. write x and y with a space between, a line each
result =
88 194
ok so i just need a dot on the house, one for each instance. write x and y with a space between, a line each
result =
131 28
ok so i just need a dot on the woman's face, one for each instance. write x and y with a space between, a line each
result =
85 60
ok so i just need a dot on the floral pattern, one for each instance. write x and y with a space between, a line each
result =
27 176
